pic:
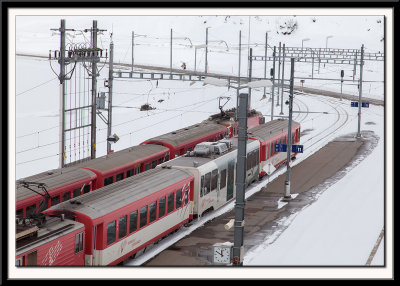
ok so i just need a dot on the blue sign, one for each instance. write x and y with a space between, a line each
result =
280 147
297 148
365 104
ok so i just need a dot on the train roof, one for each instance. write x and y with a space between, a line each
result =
190 133
196 161
270 129
115 196
53 179
52 229
123 157
228 116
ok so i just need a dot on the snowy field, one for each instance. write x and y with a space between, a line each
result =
346 220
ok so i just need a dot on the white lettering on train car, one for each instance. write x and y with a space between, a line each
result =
52 254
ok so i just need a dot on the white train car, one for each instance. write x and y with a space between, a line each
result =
213 165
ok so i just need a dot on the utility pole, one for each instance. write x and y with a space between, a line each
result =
110 86
250 71
238 248
287 195
94 92
360 92
283 76
206 62
265 61
237 94
355 66
133 45
279 72
170 58
273 84
62 93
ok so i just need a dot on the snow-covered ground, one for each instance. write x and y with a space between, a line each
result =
346 220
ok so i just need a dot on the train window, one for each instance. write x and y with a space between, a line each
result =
178 199
143 216
18 262
160 160
108 181
222 182
147 167
122 227
153 164
119 177
170 203
207 183
66 196
137 169
132 221
153 212
202 186
214 179
161 207
77 192
19 213
78 242
86 189
111 232
55 200
186 194
30 210
129 173
166 157
248 162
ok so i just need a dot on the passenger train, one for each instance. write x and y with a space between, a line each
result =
120 220
41 191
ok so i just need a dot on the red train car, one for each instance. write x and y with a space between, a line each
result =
124 218
185 139
125 163
60 184
58 242
269 134
228 119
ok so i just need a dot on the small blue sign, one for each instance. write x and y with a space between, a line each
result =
297 148
280 147
365 104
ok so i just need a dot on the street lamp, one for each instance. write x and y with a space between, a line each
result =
326 43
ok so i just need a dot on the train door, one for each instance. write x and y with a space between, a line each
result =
31 259
231 180
97 244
